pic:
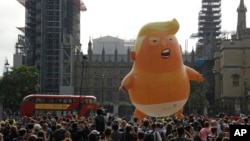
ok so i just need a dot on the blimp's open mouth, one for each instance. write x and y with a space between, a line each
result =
165 53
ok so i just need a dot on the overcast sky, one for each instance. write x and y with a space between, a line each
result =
119 18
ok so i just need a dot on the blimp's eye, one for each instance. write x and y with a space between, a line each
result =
153 40
171 38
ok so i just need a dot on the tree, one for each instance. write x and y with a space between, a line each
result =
16 84
197 99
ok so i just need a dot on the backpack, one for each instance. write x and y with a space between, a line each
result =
149 135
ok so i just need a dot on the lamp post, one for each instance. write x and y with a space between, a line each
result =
222 102
6 66
84 59
245 95
102 89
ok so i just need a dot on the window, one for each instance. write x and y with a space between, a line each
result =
235 80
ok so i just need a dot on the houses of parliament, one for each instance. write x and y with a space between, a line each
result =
54 47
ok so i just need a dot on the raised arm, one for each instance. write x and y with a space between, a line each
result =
194 75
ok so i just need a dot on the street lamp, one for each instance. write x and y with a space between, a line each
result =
245 94
102 88
222 102
6 66
84 59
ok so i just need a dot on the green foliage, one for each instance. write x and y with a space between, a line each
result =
197 98
18 83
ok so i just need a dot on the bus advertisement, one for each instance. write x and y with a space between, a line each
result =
59 104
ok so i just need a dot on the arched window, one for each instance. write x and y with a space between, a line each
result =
235 80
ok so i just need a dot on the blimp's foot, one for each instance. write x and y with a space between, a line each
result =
179 114
139 115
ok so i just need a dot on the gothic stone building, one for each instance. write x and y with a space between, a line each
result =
108 62
232 69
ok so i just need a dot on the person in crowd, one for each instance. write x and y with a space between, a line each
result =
22 135
93 136
205 131
99 121
220 136
153 134
40 139
68 137
1 137
42 134
145 125
225 139
32 137
140 136
213 135
47 130
84 129
196 137
123 125
135 121
75 132
169 129
13 133
59 133
189 130
107 134
129 134
37 128
30 129
116 134
161 129
211 129
181 135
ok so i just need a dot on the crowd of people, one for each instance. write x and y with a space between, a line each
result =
49 127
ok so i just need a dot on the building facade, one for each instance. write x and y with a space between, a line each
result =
232 69
52 43
108 62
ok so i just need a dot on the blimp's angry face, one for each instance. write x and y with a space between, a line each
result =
159 52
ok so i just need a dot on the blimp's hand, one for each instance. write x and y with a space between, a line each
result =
123 90
194 75
200 78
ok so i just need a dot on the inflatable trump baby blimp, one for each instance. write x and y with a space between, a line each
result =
158 83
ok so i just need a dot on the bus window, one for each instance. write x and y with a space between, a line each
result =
70 100
50 100
65 100
87 101
90 101
40 100
29 100
60 100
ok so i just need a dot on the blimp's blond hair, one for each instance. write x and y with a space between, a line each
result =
170 27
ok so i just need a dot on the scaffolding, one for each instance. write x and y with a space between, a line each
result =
209 29
52 40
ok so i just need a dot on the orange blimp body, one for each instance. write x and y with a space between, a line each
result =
158 83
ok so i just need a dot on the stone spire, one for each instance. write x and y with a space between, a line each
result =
90 52
241 25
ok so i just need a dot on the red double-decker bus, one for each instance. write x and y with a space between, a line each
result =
59 104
